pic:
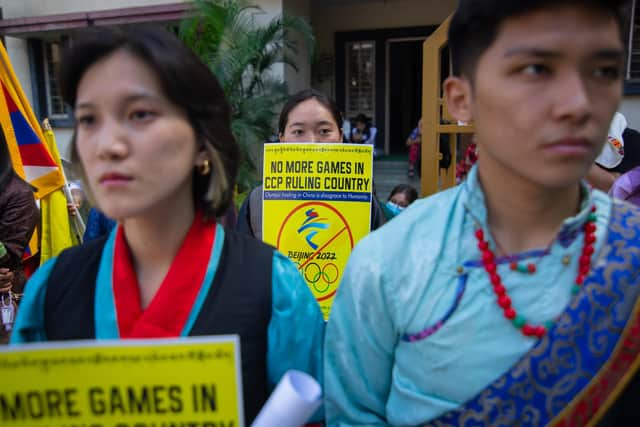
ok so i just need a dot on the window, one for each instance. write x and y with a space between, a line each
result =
360 81
55 105
44 59
632 72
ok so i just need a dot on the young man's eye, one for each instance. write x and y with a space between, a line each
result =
536 70
609 72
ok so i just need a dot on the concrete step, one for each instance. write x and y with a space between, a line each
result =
389 173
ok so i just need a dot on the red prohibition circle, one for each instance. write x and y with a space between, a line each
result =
323 204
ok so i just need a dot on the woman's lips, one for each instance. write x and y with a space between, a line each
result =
114 179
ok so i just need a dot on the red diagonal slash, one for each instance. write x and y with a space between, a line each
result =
321 248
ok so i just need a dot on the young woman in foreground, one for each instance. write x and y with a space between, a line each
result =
154 145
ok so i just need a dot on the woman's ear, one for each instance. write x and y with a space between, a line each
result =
201 156
458 96
280 137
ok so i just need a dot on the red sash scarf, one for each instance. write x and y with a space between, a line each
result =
169 309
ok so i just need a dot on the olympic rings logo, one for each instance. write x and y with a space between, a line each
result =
317 276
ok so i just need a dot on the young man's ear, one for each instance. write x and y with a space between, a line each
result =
457 93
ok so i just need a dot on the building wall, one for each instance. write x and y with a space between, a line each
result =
29 8
270 8
376 14
301 79
327 19
17 51
631 109
17 47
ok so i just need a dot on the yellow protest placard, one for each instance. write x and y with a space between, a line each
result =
194 382
316 207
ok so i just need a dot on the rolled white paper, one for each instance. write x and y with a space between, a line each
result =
292 403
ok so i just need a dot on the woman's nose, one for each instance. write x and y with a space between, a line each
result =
112 141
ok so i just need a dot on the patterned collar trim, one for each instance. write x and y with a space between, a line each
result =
475 205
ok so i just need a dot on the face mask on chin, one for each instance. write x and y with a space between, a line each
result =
394 208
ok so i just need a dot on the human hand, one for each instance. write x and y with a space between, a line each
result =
6 280
72 208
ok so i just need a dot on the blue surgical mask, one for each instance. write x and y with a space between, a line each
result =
395 209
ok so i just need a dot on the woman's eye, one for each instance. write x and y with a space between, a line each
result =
141 115
325 132
85 120
297 132
536 69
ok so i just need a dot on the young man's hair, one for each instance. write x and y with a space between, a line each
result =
476 23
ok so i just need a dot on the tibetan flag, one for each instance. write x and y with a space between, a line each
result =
56 229
29 155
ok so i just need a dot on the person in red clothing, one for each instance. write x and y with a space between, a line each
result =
414 142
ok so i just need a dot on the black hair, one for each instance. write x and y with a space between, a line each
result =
187 82
362 119
476 23
302 96
366 133
408 190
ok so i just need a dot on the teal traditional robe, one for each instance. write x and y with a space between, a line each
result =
415 331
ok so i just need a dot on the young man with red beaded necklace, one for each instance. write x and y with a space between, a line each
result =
513 298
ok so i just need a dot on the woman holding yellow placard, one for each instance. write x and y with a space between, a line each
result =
154 146
308 116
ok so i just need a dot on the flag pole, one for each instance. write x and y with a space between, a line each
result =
78 222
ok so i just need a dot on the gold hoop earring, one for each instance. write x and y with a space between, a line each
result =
204 168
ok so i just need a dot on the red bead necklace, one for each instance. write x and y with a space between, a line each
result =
502 298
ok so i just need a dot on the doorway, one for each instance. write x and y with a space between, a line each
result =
404 92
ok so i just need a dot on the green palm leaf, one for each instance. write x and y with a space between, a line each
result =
241 53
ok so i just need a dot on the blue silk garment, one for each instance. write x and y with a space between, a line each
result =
415 330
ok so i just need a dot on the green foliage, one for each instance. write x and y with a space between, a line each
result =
240 198
241 53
